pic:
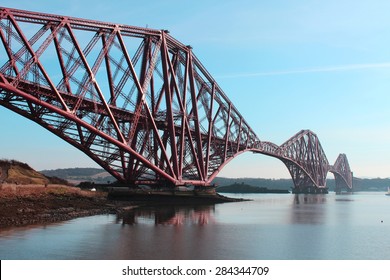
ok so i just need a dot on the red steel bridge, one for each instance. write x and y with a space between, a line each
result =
138 102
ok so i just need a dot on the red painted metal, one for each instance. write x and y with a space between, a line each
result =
309 164
135 100
342 173
305 159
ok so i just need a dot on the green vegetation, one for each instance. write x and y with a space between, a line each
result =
281 184
243 188
78 175
73 172
372 184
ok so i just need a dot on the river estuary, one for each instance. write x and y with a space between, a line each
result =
270 226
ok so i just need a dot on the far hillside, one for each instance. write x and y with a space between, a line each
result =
272 184
359 184
15 172
78 175
243 188
100 176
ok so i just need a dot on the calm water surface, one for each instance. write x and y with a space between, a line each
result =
272 226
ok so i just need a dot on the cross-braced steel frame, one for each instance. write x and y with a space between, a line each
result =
307 163
305 160
342 173
135 100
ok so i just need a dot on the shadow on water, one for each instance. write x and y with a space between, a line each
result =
168 215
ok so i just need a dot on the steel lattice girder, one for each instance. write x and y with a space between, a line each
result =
342 173
305 159
135 100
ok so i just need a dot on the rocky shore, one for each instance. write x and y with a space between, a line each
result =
28 197
41 204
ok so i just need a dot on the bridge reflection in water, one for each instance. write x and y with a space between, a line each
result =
168 215
302 209
309 209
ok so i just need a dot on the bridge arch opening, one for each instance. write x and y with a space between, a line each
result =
251 165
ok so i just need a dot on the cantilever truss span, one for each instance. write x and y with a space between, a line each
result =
305 160
307 163
342 173
135 100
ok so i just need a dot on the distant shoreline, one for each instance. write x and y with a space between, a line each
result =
243 188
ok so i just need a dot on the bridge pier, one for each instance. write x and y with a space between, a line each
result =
343 190
310 190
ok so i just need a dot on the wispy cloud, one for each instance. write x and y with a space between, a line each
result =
347 67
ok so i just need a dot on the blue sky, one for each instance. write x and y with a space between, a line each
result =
286 65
